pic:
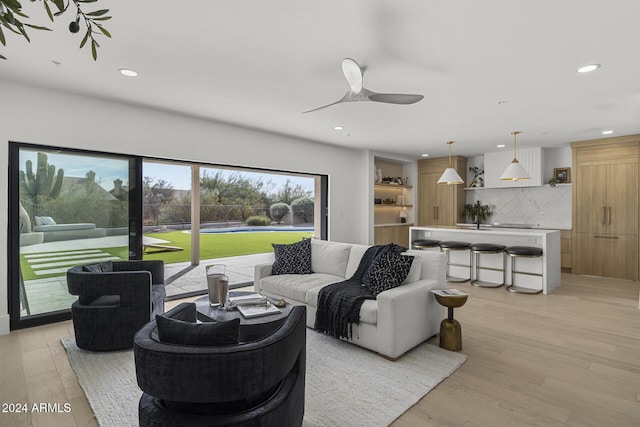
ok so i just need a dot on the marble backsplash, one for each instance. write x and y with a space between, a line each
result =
548 207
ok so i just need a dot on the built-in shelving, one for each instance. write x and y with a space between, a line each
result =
487 188
388 225
398 186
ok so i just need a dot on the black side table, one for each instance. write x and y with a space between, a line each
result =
250 329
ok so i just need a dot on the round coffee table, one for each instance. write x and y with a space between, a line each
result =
250 329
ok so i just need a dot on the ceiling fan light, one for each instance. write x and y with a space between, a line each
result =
515 172
450 177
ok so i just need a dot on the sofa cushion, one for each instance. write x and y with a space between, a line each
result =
368 311
431 263
387 271
174 331
294 258
295 286
45 220
414 273
357 251
106 301
329 257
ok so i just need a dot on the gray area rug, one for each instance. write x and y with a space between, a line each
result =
345 384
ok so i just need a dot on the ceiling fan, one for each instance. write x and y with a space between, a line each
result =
358 93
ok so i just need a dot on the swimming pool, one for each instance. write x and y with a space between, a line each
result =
250 229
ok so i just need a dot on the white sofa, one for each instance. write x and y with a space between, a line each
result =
398 320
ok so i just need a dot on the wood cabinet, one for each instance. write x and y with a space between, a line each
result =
398 234
565 249
440 204
605 207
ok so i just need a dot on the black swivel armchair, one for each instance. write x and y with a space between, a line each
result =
258 383
114 301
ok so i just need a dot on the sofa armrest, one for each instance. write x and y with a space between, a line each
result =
409 314
260 271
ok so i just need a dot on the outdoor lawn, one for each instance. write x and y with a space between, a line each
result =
222 245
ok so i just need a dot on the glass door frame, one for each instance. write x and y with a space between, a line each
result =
13 228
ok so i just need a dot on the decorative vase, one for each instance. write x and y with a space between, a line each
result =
378 176
218 284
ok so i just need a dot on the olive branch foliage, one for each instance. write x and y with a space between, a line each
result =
13 19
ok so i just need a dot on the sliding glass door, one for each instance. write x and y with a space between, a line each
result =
198 214
70 207
67 208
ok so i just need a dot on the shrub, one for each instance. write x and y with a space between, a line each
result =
258 220
303 208
278 211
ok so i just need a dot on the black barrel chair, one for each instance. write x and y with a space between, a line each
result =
257 383
115 300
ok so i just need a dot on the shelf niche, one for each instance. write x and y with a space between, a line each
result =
387 215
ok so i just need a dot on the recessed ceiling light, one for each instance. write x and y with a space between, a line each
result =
607 132
425 155
588 68
500 145
127 72
338 127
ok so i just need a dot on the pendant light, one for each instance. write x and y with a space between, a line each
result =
450 176
515 171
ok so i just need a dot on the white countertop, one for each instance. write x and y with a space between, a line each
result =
493 227
491 230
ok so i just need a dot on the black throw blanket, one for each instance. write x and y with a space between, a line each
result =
339 303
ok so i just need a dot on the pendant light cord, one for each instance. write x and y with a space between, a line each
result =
514 133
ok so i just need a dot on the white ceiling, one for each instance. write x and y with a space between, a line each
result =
485 68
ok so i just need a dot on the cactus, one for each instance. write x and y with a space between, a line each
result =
45 184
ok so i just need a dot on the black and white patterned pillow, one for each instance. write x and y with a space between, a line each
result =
98 268
387 271
292 259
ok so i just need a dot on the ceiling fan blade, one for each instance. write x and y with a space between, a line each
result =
345 98
394 98
353 73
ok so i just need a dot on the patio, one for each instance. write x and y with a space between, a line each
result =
50 294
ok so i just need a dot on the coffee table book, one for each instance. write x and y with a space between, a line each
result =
254 305
449 293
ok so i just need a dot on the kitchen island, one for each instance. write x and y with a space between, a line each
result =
548 240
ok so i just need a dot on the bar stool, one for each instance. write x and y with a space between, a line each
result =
447 247
487 249
522 252
421 244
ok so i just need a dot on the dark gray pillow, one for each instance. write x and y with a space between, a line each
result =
98 268
174 331
292 259
387 271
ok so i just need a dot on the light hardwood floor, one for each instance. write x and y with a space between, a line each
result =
571 358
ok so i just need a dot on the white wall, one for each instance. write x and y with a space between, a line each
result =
543 205
34 115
